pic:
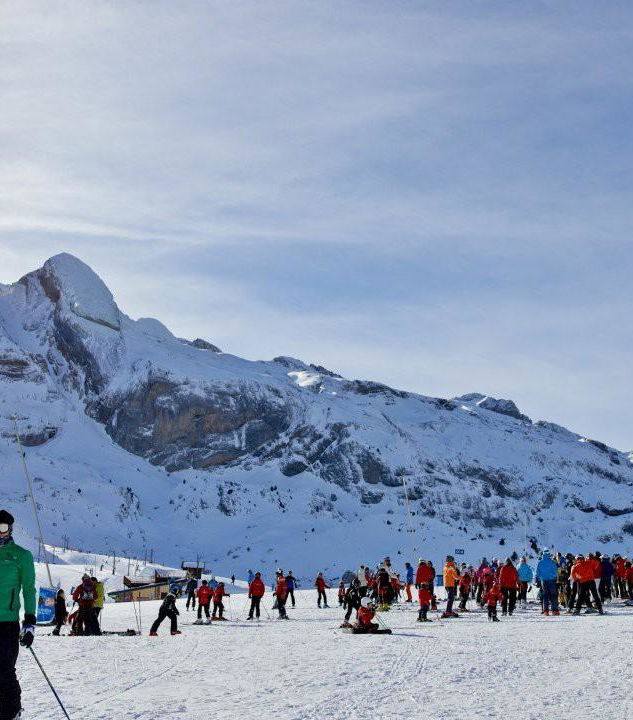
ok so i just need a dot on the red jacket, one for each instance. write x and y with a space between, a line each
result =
629 574
620 569
281 589
465 581
257 588
424 575
508 577
493 596
424 596
320 583
85 594
596 566
365 616
219 593
582 572
204 593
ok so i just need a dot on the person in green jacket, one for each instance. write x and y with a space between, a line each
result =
17 575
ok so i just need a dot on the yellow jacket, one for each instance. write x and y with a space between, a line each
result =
99 595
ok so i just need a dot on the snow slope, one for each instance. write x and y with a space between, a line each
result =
526 667
139 440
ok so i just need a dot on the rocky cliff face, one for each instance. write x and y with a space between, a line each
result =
106 402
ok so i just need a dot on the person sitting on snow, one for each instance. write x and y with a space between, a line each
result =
366 613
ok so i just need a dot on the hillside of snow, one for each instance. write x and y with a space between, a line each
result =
139 440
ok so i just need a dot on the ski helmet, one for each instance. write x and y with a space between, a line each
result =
174 588
365 602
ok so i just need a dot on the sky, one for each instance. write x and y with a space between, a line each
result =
436 195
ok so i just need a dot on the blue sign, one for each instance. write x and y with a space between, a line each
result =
459 551
46 605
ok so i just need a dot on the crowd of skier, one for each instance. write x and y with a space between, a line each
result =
568 582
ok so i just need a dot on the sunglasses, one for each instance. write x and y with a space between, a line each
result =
5 528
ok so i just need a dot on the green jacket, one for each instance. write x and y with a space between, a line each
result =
17 573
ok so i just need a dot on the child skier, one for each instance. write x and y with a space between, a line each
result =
167 609
491 598
425 598
366 614
281 594
205 594
61 612
465 581
218 605
341 594
256 591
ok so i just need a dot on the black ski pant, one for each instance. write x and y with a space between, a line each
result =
218 608
321 595
291 595
191 599
255 603
508 600
422 612
201 607
523 586
281 606
162 614
586 589
87 622
350 609
450 599
492 612
605 589
9 686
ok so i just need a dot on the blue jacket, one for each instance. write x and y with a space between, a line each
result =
291 582
525 572
409 574
607 568
251 576
546 568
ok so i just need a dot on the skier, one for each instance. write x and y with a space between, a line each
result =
190 589
17 575
291 584
256 591
99 600
583 573
508 582
451 578
205 594
352 601
232 579
384 590
465 581
281 594
546 574
408 581
366 614
491 597
361 576
606 579
250 576
320 585
341 594
61 612
218 605
425 598
84 596
620 577
525 578
168 609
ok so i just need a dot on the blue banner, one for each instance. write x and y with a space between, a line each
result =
46 605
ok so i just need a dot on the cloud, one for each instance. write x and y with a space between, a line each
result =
436 195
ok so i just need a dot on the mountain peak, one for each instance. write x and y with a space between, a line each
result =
68 280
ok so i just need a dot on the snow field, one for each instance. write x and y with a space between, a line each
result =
527 667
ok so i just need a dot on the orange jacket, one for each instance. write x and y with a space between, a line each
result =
582 571
596 567
508 577
451 575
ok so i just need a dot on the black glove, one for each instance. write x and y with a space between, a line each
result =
28 631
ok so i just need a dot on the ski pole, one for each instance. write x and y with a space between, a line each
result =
50 684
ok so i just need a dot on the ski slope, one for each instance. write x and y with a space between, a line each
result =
527 667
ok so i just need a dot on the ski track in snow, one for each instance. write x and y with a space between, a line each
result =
527 667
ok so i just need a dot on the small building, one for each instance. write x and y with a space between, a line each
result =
194 568
139 589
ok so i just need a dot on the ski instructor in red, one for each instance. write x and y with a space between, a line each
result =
17 574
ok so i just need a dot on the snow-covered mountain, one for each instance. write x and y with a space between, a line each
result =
137 439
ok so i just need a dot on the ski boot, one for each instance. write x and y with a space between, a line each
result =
176 632
197 622
153 633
